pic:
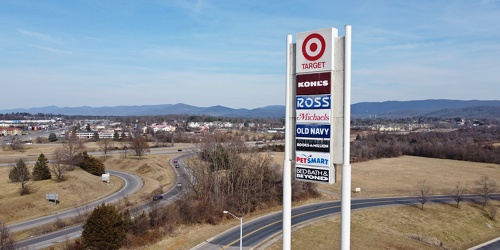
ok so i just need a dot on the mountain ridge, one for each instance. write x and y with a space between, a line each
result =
387 109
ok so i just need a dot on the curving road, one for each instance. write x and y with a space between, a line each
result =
132 184
259 230
73 232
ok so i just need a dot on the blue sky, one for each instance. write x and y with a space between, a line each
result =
232 53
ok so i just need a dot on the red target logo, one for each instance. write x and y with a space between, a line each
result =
313 47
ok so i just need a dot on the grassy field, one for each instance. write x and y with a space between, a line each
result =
402 227
439 226
399 176
399 227
81 187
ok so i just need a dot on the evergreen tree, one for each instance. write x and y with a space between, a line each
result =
41 170
52 137
116 136
105 229
19 172
91 164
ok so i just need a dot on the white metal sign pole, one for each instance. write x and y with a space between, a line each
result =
289 140
345 219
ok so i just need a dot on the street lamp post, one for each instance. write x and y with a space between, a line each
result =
241 227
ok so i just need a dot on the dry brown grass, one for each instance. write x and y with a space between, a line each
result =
31 152
398 176
388 227
81 187
439 226
155 171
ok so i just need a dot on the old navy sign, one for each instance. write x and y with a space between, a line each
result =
305 173
312 158
314 145
315 50
313 102
312 130
312 115
314 84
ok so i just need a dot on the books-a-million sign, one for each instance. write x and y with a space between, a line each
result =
319 105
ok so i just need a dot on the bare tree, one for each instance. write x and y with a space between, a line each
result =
492 212
6 238
139 143
58 167
106 146
16 143
485 187
424 193
459 192
66 155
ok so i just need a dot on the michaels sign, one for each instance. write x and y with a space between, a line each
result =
313 102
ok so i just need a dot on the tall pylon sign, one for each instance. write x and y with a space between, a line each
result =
319 107
317 131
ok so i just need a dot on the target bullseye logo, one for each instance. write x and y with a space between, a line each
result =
313 47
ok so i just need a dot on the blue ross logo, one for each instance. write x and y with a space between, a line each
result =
313 102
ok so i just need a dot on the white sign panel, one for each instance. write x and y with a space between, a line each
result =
313 115
314 174
315 50
312 158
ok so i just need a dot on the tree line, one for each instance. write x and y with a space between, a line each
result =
476 144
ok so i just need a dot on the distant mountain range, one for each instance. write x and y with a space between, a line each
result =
388 109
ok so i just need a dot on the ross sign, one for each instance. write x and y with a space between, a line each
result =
312 130
313 84
312 158
306 173
315 50
313 102
312 116
315 145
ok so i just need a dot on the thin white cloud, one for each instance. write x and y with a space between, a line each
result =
52 50
37 35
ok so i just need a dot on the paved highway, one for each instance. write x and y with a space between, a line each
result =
47 240
257 231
